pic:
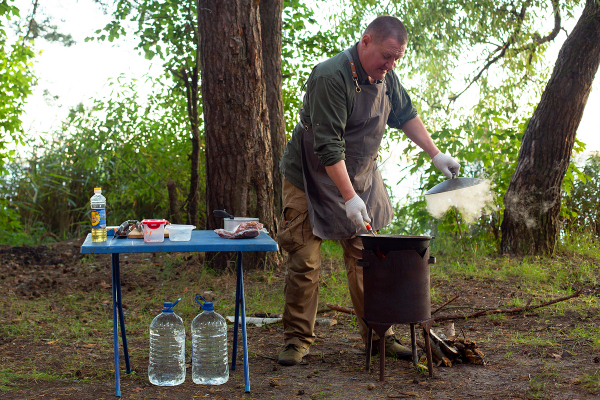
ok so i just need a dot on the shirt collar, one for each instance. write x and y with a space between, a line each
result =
363 78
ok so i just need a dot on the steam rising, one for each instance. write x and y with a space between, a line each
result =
470 201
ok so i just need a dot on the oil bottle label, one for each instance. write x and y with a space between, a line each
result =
98 218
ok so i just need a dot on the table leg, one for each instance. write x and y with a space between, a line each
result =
236 323
243 313
120 310
115 328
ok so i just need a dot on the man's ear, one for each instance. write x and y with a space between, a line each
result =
366 40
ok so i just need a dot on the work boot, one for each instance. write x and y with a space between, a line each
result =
393 348
292 354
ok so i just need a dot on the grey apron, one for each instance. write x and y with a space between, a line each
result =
364 130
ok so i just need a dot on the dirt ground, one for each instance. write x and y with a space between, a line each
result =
335 368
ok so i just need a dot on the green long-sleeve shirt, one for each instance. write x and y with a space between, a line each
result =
327 105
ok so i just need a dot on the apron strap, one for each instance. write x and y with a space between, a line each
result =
353 68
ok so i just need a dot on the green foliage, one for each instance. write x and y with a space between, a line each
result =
167 29
16 80
581 202
437 68
492 52
487 149
304 44
127 146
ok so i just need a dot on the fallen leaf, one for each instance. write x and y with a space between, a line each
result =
52 341
137 389
557 356
104 285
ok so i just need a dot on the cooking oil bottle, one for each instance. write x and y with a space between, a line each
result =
98 203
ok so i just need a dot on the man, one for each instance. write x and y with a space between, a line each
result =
332 186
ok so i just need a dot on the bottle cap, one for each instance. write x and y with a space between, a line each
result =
97 190
168 306
206 306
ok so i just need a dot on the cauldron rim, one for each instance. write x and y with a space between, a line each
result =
383 244
397 236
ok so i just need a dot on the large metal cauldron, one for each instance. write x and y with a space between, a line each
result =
396 286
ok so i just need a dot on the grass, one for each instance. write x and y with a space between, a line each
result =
590 382
81 321
544 382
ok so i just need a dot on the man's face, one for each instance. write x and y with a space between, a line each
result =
379 58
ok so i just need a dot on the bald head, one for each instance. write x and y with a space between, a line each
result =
385 27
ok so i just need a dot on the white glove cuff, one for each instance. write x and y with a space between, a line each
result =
354 200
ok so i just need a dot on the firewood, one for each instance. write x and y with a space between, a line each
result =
325 322
473 358
342 309
448 350
436 352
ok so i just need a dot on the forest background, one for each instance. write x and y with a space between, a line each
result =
133 136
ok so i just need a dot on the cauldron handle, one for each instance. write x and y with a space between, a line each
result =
431 260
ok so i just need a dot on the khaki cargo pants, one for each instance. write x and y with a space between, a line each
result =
302 270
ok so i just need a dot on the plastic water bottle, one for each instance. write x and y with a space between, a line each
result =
98 203
209 347
167 348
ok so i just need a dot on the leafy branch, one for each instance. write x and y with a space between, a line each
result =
502 49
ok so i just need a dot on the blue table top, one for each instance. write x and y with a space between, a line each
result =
201 241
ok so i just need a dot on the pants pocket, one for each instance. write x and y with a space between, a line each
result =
291 235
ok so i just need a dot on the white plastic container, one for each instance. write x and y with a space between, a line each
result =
232 224
154 230
180 233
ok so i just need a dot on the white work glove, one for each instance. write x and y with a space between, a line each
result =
356 211
446 164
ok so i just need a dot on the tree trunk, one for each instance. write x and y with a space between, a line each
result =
191 90
533 199
239 158
271 28
175 214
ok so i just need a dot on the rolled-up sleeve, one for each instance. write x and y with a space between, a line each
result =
329 113
402 107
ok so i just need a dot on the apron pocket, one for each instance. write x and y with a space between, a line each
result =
291 235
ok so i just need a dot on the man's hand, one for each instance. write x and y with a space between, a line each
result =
446 164
356 211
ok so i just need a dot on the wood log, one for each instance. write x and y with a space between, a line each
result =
448 350
325 322
436 352
341 309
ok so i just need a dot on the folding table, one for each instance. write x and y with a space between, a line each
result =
201 241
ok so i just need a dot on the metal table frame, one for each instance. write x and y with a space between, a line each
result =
201 241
